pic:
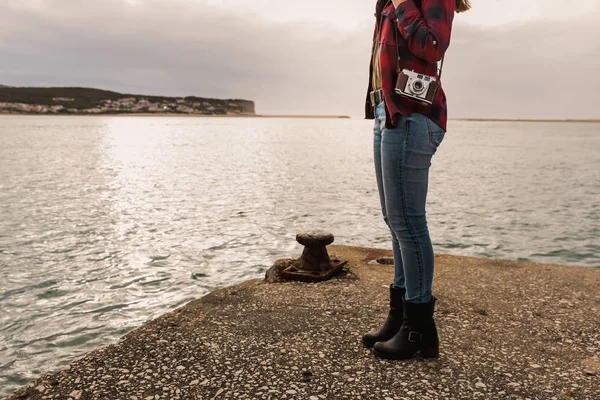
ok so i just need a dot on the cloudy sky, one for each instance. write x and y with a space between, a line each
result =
507 59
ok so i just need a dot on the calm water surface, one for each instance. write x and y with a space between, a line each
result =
106 223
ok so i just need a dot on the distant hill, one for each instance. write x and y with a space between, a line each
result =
77 100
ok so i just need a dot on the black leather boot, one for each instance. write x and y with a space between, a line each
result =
392 323
418 334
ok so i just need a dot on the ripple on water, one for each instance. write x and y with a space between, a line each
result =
159 257
455 245
198 275
25 289
103 310
567 255
76 341
50 294
128 283
99 259
46 339
74 304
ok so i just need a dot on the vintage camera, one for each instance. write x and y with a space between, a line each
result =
419 87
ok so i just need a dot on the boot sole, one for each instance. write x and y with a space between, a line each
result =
418 354
366 344
370 345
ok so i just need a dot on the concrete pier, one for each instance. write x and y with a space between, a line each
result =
508 330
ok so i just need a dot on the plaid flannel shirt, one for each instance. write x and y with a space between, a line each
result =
423 33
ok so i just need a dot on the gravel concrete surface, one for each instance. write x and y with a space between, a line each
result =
508 330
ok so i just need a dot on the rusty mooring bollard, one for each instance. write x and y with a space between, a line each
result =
315 256
314 265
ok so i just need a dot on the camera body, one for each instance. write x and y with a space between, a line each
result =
419 87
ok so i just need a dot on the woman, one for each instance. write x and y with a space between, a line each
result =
411 35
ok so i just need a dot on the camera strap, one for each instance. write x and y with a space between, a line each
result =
398 59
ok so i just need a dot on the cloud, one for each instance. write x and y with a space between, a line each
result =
540 69
189 48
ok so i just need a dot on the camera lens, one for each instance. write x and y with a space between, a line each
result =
418 86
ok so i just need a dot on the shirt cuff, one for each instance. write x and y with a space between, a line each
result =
405 15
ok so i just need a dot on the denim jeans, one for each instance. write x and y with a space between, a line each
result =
402 160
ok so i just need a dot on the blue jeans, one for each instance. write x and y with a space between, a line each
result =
402 160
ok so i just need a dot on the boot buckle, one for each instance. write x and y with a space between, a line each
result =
412 334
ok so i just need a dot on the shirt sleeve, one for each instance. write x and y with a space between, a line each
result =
428 31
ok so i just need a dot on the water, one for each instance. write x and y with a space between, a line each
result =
107 222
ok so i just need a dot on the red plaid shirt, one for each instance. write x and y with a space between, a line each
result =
423 28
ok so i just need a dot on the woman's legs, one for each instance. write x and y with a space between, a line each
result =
394 319
399 281
406 153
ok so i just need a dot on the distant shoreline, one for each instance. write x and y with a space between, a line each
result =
305 116
525 120
176 115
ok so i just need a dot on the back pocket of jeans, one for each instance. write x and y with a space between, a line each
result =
436 133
